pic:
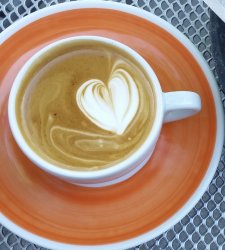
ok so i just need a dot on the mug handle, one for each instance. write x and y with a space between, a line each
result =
180 104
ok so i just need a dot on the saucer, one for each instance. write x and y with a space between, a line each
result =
58 215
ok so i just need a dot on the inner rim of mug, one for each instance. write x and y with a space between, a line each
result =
118 167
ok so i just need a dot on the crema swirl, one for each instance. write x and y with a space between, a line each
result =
85 106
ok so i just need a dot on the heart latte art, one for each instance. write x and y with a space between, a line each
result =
111 107
85 106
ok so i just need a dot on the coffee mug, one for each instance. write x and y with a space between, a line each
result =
89 110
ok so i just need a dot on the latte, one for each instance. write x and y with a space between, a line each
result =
85 106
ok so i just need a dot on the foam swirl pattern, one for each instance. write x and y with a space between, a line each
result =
113 107
86 109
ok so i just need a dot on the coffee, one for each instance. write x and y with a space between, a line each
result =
85 105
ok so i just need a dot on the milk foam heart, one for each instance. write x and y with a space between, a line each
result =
110 106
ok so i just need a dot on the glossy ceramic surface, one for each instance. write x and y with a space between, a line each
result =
178 173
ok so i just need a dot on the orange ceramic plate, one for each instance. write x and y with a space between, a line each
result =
58 215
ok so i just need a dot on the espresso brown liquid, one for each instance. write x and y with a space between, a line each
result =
51 121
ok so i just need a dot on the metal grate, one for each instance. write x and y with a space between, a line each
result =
204 226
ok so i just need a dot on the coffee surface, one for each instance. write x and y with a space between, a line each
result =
85 106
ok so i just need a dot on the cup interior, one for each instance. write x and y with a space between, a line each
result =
137 156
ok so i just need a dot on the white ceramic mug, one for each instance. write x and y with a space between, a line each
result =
171 106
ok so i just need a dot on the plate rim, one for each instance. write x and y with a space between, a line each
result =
196 196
